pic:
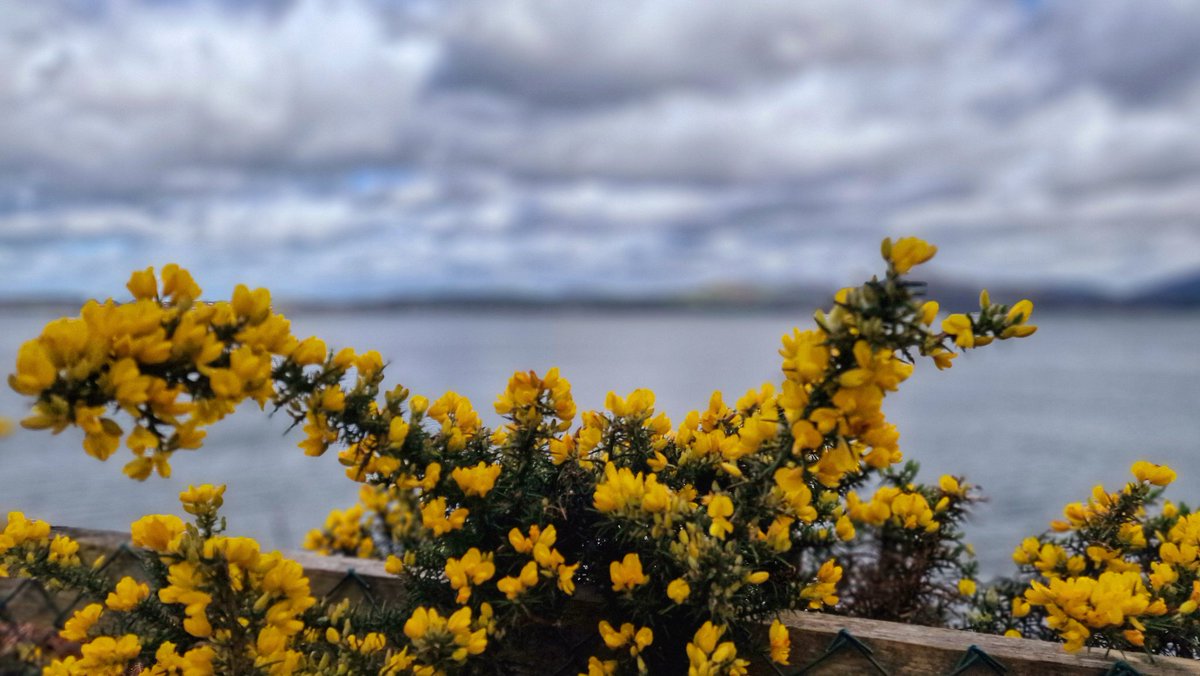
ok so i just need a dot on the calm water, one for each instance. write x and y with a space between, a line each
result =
1035 422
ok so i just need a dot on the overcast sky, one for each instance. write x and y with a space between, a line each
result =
367 149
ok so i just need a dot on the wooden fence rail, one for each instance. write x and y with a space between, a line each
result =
829 643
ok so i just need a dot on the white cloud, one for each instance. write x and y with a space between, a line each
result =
139 94
650 144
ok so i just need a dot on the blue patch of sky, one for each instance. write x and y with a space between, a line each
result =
371 179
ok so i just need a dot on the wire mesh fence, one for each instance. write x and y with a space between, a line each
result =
821 643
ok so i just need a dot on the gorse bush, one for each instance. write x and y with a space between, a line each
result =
1113 574
677 546
908 561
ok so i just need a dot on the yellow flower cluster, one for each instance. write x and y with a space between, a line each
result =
20 531
459 421
127 595
966 329
346 532
103 656
336 644
169 662
135 355
474 568
627 640
822 592
175 366
547 562
352 531
161 533
241 608
439 641
26 548
623 492
436 518
478 480
528 399
907 252
627 635
1112 574
707 657
891 504
1077 604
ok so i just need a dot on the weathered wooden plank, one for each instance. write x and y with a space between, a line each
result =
324 572
901 649
911 649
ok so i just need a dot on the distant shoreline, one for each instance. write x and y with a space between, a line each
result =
803 301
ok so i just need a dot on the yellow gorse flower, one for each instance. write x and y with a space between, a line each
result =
477 480
678 590
105 655
76 628
435 518
719 508
781 643
624 492
708 657
127 594
516 585
796 494
19 531
195 662
35 371
1016 318
627 573
1159 475
346 532
474 568
432 633
960 327
64 551
636 638
203 499
458 419
639 404
823 590
528 397
907 252
966 587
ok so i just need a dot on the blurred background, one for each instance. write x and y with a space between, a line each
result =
643 193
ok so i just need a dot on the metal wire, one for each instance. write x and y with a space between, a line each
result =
353 578
976 656
1122 668
842 641
48 605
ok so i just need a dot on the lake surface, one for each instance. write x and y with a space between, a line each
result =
1035 422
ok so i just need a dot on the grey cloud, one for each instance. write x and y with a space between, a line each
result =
564 54
1139 52
521 144
636 89
141 95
